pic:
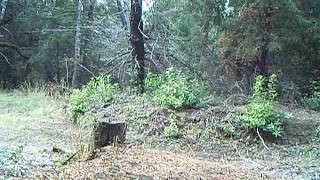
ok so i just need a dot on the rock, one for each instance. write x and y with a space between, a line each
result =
106 105
106 133
107 114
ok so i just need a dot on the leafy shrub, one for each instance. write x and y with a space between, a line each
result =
173 130
313 102
174 89
261 113
99 90
153 82
228 128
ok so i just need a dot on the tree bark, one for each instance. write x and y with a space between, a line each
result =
77 58
261 61
122 12
3 9
107 133
91 10
88 54
137 41
261 64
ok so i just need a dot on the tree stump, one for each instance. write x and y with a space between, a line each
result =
106 133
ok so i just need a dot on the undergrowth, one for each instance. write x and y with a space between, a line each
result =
313 102
172 131
174 89
99 90
261 114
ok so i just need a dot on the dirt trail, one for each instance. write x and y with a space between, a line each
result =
30 126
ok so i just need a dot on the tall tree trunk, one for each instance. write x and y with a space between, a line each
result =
3 9
206 23
137 42
261 61
91 10
77 58
122 12
88 55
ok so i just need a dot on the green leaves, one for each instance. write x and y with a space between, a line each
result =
261 113
173 130
100 89
261 93
313 102
174 89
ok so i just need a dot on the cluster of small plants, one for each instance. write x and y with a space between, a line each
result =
313 102
99 90
261 115
172 131
174 89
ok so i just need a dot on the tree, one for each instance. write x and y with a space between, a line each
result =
77 57
3 9
122 14
137 41
271 34
183 33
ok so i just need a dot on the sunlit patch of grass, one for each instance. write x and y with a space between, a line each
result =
7 120
35 103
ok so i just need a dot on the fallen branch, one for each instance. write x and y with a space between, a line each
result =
5 57
264 144
13 46
70 158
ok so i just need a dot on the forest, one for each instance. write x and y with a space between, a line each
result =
160 89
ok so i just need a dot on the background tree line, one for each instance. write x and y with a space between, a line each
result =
225 42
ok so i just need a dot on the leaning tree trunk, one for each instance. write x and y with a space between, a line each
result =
123 17
77 58
3 9
137 42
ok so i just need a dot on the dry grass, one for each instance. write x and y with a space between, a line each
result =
141 163
31 124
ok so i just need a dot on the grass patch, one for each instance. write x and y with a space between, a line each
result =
22 102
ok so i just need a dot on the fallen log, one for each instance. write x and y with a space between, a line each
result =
106 133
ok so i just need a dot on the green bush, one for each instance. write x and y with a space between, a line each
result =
99 90
261 113
313 102
172 131
174 89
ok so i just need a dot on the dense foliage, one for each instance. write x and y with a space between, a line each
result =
219 41
190 49
99 90
261 113
174 89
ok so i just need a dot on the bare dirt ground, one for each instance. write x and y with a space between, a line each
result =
31 125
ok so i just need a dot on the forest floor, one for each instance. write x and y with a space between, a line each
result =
31 125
